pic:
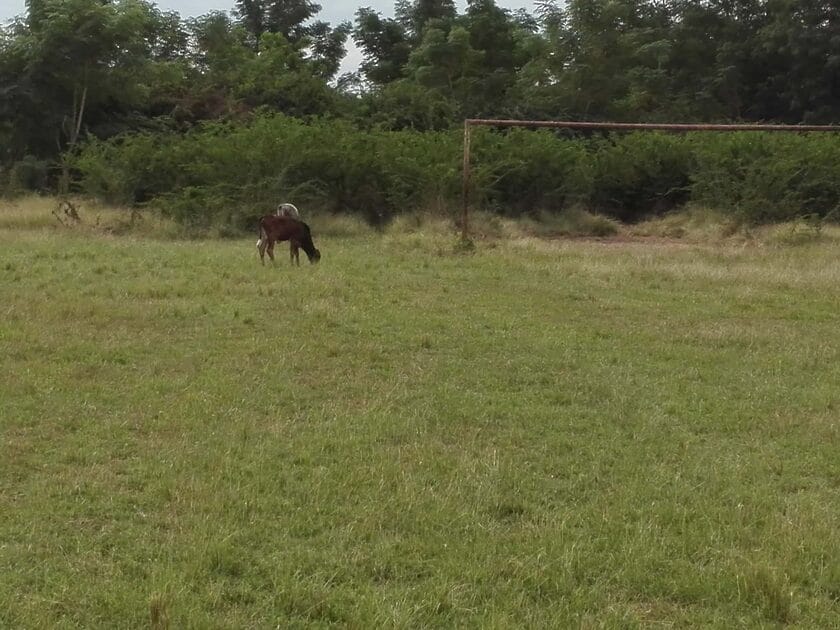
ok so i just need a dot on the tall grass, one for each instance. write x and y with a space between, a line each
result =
546 433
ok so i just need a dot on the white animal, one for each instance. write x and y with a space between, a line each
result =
287 210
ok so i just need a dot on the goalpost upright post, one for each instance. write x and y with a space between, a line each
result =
676 127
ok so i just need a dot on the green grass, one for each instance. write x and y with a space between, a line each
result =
540 434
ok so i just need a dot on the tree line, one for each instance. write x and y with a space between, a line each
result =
75 72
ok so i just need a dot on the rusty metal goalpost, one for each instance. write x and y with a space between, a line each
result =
680 128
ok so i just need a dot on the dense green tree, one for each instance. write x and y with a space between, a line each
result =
220 48
415 16
447 63
287 17
800 47
71 68
292 20
594 54
220 44
506 43
327 47
385 45
280 78
405 104
75 63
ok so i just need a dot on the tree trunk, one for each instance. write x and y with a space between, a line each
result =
73 137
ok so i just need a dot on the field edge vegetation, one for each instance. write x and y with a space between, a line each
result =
693 224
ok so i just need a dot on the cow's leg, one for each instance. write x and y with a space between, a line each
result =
271 249
294 253
261 245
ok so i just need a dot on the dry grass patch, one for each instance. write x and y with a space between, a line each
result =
338 225
694 224
28 213
36 213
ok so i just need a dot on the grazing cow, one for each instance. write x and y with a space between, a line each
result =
287 210
274 228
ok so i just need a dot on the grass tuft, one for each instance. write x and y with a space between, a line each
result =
159 611
573 222
770 593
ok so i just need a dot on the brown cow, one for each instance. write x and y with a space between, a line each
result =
274 228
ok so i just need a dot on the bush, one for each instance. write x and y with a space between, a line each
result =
640 174
573 221
28 175
226 173
520 171
767 177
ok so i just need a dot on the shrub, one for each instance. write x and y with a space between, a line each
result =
28 175
327 164
231 173
765 177
640 174
521 170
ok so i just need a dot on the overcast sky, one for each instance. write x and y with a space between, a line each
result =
333 11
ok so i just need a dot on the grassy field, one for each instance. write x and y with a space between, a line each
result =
546 433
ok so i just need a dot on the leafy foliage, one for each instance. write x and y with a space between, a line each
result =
226 172
232 172
640 174
765 178
84 71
